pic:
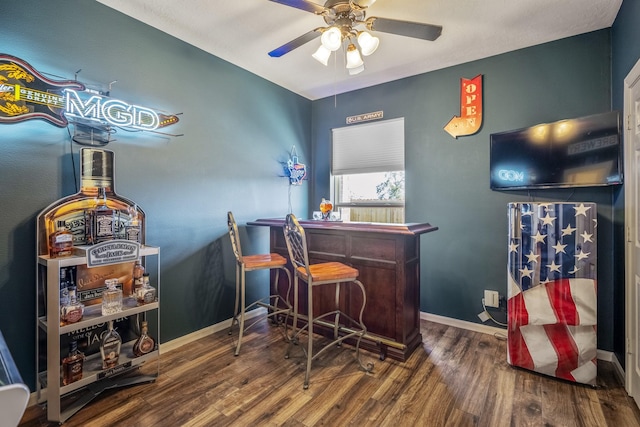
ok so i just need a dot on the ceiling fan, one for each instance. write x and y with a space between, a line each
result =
343 18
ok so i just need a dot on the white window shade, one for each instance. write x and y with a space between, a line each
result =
369 147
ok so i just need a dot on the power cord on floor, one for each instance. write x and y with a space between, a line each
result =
490 316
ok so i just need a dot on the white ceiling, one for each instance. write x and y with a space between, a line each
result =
243 31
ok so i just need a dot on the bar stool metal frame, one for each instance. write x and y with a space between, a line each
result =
344 327
276 305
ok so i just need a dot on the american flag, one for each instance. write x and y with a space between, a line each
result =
552 313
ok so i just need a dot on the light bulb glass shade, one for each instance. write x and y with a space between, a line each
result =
354 71
368 43
354 60
332 39
322 55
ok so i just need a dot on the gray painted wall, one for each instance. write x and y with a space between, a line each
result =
237 127
448 179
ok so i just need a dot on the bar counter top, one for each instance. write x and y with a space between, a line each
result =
369 227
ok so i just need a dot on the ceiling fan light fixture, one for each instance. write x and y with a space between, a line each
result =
368 43
322 55
354 60
354 71
332 39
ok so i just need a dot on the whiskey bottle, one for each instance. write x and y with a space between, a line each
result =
97 171
73 311
138 272
110 347
60 242
103 220
64 287
146 293
132 228
111 298
72 364
144 344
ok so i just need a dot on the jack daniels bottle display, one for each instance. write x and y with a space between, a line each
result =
96 213
93 215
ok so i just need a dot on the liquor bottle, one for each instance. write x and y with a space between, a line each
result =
144 344
60 242
146 293
111 298
138 272
73 311
132 228
72 364
103 220
110 347
97 171
64 287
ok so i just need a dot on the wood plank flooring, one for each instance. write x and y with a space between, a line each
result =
457 378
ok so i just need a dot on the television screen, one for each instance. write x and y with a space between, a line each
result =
581 152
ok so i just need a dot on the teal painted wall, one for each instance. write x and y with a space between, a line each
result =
237 128
448 179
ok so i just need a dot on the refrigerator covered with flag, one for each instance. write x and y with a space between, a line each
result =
552 289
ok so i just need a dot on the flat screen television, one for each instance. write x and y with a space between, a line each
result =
581 152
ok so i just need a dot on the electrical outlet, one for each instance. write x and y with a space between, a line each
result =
491 299
503 302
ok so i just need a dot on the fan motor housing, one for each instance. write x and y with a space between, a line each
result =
342 14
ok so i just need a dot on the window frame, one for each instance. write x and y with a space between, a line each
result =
396 125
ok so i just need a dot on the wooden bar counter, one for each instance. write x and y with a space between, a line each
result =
388 258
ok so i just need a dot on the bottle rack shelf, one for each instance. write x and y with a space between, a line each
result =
93 371
93 315
94 379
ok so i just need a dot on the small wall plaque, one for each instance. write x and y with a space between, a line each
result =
365 117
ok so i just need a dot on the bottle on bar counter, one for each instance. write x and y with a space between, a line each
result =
97 175
110 347
72 365
145 344
61 241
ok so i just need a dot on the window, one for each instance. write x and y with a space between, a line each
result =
367 164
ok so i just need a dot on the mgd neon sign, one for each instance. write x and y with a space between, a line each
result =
26 94
110 111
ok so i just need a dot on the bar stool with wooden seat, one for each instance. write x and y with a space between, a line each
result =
276 305
342 325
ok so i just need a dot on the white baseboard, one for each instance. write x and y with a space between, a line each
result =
463 324
194 336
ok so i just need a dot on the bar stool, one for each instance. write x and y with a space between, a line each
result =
315 275
276 305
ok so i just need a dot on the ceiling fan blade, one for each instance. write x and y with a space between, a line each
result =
404 28
302 4
295 43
